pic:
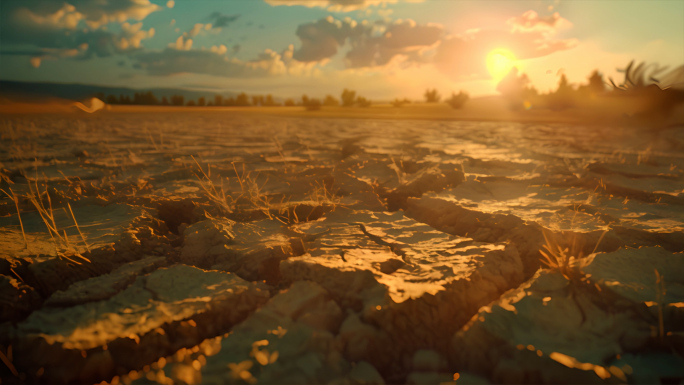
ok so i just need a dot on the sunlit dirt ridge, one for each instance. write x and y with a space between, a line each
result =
228 248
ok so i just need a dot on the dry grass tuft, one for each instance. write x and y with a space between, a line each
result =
569 261
60 239
252 196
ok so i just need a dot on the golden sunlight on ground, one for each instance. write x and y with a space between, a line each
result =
499 63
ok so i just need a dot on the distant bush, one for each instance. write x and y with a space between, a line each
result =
312 104
191 103
348 98
457 101
177 100
331 101
289 102
242 100
269 101
432 96
516 89
201 101
363 102
400 102
257 100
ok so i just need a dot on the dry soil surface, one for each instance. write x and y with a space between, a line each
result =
189 247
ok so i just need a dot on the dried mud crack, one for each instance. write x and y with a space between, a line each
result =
284 250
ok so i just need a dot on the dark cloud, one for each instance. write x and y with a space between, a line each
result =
74 29
321 39
401 38
172 61
371 44
219 20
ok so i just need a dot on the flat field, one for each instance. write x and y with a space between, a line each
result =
152 245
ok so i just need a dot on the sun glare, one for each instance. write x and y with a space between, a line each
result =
499 63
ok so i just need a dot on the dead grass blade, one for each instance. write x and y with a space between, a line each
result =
7 360
16 204
78 228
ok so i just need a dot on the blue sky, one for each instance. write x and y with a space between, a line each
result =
382 48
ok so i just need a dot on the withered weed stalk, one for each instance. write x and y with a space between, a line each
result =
568 261
321 195
397 168
15 198
60 239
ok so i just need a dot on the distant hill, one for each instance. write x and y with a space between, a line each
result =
27 91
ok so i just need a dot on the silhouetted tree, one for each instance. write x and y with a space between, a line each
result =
111 99
218 100
165 101
312 104
191 103
230 102
269 101
305 100
177 100
400 102
516 89
596 84
564 97
289 102
457 101
145 98
432 96
201 101
363 102
331 101
348 98
242 100
124 99
257 100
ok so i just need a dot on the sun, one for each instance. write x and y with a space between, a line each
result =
499 63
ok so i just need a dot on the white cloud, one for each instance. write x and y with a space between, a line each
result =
181 44
196 29
530 21
337 5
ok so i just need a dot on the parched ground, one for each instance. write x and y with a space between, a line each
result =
217 247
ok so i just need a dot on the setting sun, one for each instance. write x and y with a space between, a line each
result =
499 63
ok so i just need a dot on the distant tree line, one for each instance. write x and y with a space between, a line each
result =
348 99
149 99
520 94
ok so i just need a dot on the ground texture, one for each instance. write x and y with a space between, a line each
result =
191 247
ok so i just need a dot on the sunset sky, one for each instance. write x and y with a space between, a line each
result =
382 49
